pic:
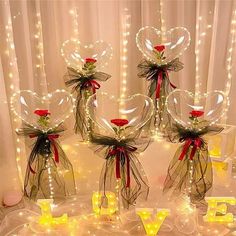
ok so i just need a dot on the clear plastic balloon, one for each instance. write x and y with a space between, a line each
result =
102 108
176 41
186 223
74 53
59 104
209 108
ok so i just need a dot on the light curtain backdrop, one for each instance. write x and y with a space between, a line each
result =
32 32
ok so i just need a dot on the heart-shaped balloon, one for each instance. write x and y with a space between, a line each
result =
59 104
102 108
208 108
176 41
74 53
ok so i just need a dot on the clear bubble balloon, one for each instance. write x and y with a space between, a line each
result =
75 53
102 108
196 111
186 223
175 42
59 104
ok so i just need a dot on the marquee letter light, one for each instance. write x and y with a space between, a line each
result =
214 209
111 202
150 222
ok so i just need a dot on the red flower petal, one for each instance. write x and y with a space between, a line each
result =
90 60
120 122
160 48
42 112
195 113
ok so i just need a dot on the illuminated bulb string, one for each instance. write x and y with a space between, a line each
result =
125 22
13 74
229 62
48 167
163 27
75 16
40 65
200 35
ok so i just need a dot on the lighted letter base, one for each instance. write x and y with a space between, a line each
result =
214 209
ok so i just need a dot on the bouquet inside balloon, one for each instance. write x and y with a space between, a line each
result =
84 64
117 137
49 173
190 170
161 51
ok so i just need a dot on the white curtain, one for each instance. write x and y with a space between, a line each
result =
32 33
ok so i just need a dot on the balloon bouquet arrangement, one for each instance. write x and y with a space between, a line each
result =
118 134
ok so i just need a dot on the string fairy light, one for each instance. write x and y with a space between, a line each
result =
13 75
229 60
74 13
40 63
197 46
163 27
125 22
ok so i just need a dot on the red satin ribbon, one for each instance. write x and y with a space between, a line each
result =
52 138
158 86
118 152
188 142
159 82
92 83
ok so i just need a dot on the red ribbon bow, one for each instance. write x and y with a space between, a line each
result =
159 82
118 152
92 83
196 143
52 138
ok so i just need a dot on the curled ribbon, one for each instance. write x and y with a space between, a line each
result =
118 152
196 143
160 77
51 138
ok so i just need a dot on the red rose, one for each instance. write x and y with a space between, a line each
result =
90 60
42 112
120 122
160 48
195 113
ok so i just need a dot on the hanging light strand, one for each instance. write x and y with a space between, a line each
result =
75 16
13 77
229 60
125 23
40 63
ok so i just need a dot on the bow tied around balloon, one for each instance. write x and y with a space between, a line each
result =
84 63
43 119
161 51
122 156
190 170
118 141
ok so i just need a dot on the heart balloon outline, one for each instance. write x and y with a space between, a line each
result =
148 51
20 102
73 49
107 126
221 99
